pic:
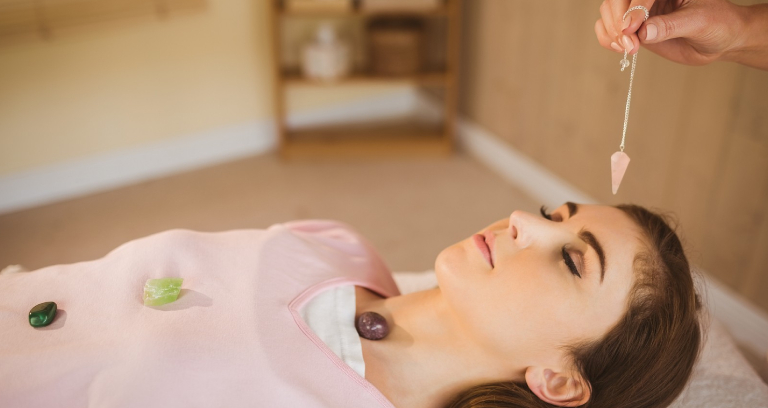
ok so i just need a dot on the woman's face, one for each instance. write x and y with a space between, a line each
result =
541 284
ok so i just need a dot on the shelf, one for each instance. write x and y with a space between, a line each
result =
366 142
362 78
372 140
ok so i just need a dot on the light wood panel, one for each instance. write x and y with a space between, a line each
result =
698 136
23 20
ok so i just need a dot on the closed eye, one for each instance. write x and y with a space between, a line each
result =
569 262
552 217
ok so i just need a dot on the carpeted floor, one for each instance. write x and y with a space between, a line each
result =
410 209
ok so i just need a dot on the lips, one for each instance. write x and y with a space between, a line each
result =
484 243
490 240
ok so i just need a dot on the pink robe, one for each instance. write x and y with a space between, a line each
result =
234 338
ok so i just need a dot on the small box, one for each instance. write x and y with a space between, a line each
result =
396 46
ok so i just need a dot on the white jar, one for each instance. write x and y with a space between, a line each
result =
326 58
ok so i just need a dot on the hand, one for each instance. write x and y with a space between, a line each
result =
691 32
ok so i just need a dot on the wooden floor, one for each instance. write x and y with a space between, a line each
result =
410 209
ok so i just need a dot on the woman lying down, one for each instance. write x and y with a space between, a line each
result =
587 306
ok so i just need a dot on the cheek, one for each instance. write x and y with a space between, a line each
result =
522 305
544 304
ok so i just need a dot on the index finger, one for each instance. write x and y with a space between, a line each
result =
637 17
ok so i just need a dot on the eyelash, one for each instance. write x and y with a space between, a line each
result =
566 256
569 262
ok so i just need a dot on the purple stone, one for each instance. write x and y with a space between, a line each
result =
372 326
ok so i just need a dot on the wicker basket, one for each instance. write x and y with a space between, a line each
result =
396 46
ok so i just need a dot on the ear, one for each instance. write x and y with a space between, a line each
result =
564 389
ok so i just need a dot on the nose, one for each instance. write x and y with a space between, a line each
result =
518 229
525 229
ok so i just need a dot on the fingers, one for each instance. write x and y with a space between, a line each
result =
634 22
611 12
608 22
622 31
618 8
680 23
648 34
604 39
636 18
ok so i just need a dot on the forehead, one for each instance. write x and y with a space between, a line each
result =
603 217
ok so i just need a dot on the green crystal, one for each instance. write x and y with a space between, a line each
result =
158 292
43 314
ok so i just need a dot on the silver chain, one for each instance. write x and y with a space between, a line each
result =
629 97
624 63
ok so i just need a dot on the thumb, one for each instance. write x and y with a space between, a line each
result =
681 23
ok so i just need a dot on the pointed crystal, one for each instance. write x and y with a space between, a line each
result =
619 163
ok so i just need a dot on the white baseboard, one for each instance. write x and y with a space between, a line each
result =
746 323
60 181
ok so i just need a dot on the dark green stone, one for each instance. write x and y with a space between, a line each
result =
43 314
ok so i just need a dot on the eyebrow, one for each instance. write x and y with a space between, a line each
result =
589 238
572 208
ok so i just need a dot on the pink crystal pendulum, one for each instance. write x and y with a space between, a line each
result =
620 160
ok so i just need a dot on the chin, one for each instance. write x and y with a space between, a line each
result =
461 283
452 267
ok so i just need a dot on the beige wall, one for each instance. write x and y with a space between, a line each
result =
106 88
698 136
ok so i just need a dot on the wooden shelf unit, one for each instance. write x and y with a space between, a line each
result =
354 140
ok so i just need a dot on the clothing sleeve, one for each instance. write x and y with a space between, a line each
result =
341 237
335 234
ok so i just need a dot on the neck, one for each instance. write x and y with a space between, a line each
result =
427 358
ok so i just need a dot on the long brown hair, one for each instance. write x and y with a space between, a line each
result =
646 359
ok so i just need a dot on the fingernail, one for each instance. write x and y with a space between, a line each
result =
627 22
628 44
650 32
616 47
